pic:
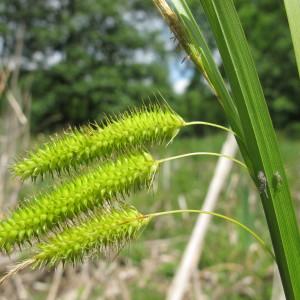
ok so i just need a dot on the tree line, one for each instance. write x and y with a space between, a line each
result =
84 59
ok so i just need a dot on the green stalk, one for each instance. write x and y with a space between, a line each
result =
220 216
261 140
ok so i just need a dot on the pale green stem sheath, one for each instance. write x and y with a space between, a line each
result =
229 219
202 154
209 124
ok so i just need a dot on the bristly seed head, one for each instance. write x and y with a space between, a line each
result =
102 232
133 130
80 195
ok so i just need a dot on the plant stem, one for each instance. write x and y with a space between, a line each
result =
204 154
229 219
209 124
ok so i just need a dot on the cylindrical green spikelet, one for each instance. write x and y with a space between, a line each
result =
141 128
79 195
101 232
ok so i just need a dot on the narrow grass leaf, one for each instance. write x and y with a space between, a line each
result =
261 140
293 13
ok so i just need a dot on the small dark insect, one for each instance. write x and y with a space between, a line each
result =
262 183
277 180
173 39
187 57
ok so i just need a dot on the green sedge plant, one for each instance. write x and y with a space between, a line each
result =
87 214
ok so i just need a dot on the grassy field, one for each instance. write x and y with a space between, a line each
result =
233 266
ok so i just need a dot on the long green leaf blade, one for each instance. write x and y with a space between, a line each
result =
261 140
293 13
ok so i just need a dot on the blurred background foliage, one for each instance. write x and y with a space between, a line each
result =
82 59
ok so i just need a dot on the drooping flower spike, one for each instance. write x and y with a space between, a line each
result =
104 184
129 131
110 230
103 232
100 234
82 194
132 130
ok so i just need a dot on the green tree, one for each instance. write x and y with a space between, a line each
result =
84 58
